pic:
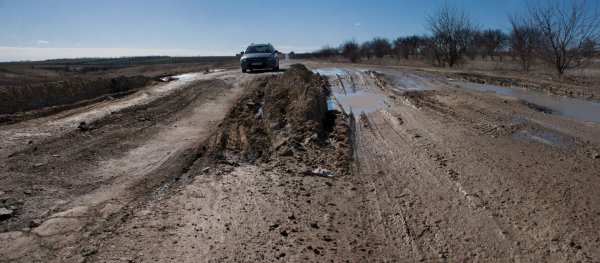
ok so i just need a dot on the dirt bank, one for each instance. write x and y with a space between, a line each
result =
22 98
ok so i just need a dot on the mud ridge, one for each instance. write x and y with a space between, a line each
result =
284 116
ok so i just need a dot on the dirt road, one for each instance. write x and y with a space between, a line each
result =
252 167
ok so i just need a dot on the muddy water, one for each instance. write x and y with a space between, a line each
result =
407 83
568 107
360 101
330 71
544 137
187 76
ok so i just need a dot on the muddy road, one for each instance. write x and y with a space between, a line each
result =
353 164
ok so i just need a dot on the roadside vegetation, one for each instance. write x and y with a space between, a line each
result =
551 36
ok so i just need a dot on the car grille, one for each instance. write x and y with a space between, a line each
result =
252 60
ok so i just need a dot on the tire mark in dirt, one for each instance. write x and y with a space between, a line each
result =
370 167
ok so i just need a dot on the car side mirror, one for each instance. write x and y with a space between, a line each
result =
242 52
276 51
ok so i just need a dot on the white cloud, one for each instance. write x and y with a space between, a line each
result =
357 24
43 42
10 36
43 53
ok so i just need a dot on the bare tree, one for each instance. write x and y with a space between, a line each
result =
326 52
524 40
366 49
476 45
351 50
406 46
400 48
452 30
566 27
381 47
431 52
492 41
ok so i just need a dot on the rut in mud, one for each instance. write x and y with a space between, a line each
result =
99 172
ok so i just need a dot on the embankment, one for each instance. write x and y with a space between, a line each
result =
17 99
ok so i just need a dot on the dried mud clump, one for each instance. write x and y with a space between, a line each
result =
283 119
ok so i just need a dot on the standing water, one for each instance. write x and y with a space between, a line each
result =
579 109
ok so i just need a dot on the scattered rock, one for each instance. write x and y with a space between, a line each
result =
596 156
28 192
475 201
285 233
322 172
286 152
35 223
83 126
5 213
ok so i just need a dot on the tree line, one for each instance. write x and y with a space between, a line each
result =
561 34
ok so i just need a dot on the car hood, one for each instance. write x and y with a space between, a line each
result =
256 55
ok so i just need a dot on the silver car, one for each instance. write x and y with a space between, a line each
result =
260 56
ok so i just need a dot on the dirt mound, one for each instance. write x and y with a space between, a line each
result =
22 98
285 116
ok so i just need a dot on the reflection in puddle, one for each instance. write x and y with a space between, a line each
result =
409 83
420 88
544 137
569 107
330 105
360 101
329 71
186 77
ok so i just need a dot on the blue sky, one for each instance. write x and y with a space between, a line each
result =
41 29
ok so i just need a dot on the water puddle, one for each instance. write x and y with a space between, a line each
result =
420 88
329 71
330 104
360 101
543 137
579 109
186 77
408 83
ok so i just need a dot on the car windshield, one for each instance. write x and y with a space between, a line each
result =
258 49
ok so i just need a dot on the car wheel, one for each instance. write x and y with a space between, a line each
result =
243 70
276 68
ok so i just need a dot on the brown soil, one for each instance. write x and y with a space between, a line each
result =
235 167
